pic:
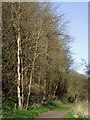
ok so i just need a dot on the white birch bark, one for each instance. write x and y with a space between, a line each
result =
18 56
19 74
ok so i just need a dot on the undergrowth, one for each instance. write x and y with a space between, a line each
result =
9 112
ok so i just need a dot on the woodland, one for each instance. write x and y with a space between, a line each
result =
36 57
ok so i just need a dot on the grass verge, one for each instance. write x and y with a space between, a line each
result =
80 111
66 108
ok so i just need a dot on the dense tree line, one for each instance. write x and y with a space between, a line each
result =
36 55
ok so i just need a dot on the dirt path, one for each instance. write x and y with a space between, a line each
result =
54 114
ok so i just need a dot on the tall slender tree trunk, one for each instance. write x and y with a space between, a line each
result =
19 63
39 83
18 70
44 90
49 90
49 87
18 56
39 79
26 76
32 70
22 85
45 80
31 74
55 89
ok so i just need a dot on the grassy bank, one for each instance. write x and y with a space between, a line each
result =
9 112
80 111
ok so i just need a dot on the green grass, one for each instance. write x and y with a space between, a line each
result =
66 108
9 112
71 116
78 113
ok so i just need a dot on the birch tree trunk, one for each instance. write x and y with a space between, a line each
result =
18 70
32 70
22 85
30 85
45 80
18 56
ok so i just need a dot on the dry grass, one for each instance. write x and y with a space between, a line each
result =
81 110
